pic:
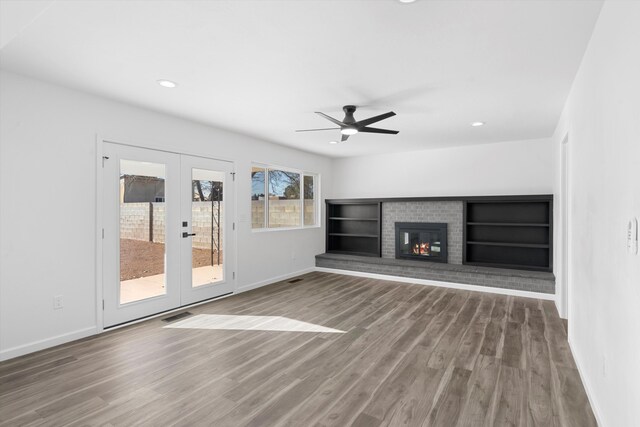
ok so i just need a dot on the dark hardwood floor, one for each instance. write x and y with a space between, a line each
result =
410 355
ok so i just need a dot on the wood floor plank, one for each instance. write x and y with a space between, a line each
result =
345 409
571 397
473 337
540 406
512 350
414 406
444 353
446 411
491 346
407 355
338 385
510 398
480 392
396 386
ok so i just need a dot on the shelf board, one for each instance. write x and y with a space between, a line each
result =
506 265
338 218
510 224
353 235
514 245
369 254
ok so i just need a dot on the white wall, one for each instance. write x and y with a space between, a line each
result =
602 120
523 167
47 240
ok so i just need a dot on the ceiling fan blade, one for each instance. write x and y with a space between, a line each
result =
331 119
377 130
344 138
374 119
313 130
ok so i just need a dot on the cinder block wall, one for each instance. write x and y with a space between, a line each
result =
134 221
159 218
135 218
282 212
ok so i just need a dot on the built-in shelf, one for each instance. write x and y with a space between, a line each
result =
509 224
354 228
513 245
514 232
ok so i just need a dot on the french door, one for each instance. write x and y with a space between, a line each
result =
168 231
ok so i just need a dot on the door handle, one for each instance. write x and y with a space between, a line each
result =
185 234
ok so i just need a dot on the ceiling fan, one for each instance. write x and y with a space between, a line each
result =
349 126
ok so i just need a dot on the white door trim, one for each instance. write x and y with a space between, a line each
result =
99 144
565 218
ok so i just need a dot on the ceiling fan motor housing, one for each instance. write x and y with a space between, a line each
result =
348 114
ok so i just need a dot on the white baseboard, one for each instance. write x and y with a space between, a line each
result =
274 280
21 350
587 387
477 288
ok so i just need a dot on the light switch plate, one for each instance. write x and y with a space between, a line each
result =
632 236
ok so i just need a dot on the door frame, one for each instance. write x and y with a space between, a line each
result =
565 220
99 223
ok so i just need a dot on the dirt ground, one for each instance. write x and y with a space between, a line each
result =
140 259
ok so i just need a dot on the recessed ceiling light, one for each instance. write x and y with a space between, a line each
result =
476 124
349 131
167 83
406 1
333 142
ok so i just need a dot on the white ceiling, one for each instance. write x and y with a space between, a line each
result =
263 67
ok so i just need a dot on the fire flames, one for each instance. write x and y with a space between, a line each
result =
422 249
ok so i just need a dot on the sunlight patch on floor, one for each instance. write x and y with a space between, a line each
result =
249 323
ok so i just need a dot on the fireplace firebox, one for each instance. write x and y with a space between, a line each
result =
426 241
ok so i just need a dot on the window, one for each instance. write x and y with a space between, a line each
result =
283 198
258 199
309 201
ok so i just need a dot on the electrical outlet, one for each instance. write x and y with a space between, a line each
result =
58 302
293 255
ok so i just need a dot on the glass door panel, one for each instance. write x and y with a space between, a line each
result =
140 245
207 227
142 230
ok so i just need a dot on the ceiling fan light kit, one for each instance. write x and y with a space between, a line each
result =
349 126
167 83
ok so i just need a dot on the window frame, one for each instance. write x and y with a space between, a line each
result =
316 193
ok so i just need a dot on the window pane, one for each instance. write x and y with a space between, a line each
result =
284 199
257 197
309 200
142 223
